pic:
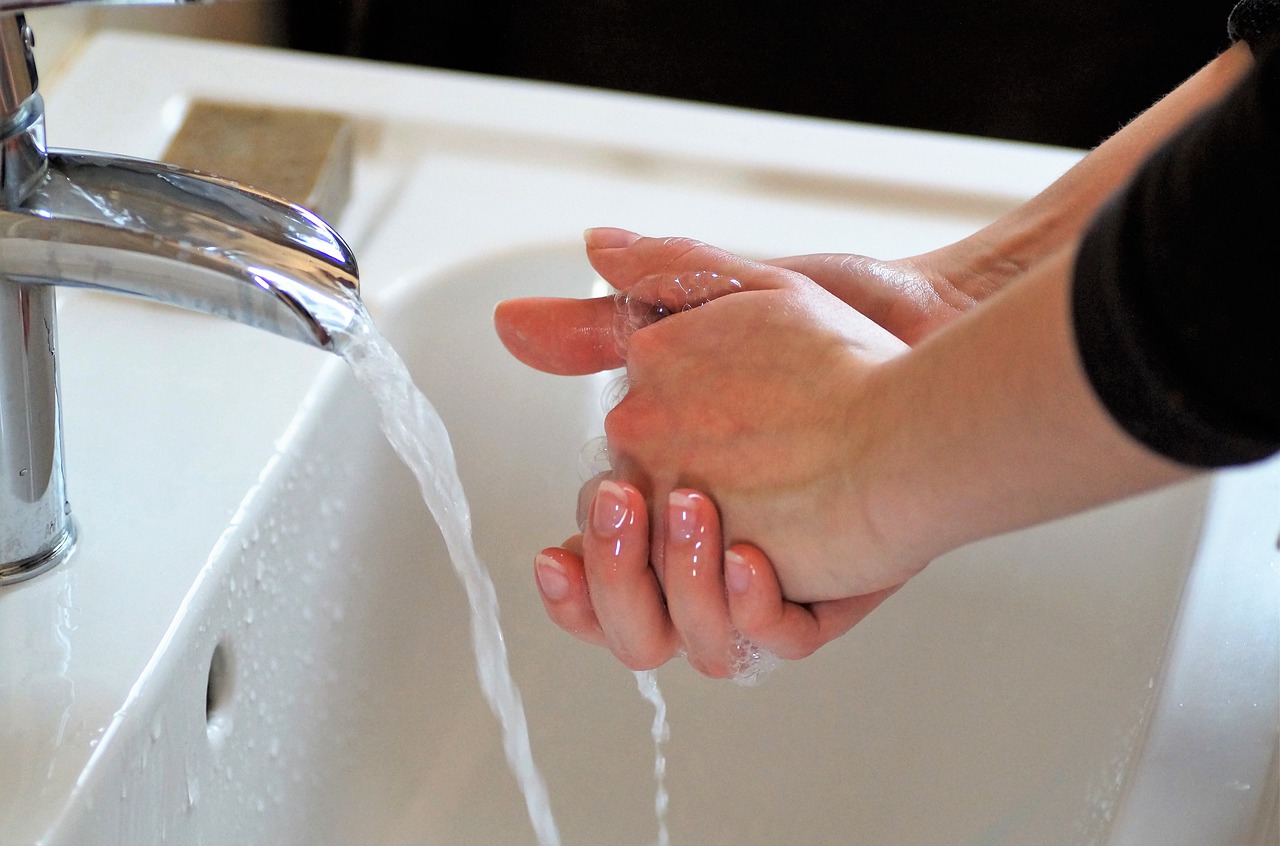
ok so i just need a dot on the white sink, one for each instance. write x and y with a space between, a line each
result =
260 640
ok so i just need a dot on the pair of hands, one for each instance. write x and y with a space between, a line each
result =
746 411
761 401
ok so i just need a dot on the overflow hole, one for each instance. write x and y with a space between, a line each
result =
219 690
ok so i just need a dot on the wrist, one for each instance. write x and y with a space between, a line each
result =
992 426
892 529
968 271
1023 238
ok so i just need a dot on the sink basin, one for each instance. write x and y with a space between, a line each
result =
260 639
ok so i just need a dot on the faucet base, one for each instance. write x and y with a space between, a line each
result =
19 571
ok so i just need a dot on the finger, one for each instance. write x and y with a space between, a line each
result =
623 259
787 629
905 303
573 544
566 337
587 495
563 587
663 294
694 584
625 593
856 280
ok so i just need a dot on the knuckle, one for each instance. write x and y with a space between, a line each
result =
678 247
712 669
797 650
626 424
638 662
645 349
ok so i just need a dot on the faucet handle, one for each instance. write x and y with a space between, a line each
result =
17 43
18 79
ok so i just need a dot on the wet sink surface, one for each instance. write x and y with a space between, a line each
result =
976 707
287 659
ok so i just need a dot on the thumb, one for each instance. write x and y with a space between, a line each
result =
626 260
567 337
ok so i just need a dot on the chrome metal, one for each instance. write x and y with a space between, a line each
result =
133 227
22 152
21 113
17 56
35 524
182 238
22 128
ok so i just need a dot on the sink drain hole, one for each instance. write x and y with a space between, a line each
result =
219 691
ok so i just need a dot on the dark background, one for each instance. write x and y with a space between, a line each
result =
1049 72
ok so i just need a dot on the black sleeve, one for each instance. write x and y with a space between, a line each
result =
1256 22
1176 289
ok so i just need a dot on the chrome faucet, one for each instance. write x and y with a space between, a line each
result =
134 227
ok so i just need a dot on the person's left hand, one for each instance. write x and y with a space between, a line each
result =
910 298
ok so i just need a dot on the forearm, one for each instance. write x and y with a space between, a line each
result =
986 260
990 425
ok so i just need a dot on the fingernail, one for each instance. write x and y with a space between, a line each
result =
737 573
610 512
682 517
551 577
608 238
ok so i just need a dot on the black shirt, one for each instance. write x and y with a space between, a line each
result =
1176 290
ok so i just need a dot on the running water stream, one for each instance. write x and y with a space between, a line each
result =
418 436
647 682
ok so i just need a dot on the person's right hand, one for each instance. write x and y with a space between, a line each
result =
600 587
714 606
759 394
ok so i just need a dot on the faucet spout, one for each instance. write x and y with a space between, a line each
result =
134 227
185 239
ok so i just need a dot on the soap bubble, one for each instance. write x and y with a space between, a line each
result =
662 295
752 663
593 460
613 392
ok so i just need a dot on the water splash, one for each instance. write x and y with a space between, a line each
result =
418 436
